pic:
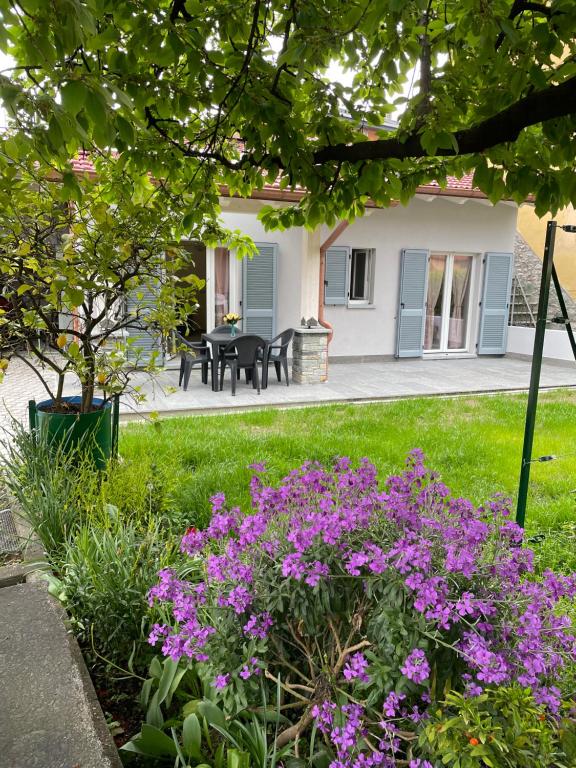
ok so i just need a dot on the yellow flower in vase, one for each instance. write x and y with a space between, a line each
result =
232 319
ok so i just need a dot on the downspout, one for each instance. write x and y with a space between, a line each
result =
330 240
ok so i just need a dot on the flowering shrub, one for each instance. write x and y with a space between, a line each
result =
364 605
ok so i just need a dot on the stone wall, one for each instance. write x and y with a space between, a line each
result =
528 271
310 355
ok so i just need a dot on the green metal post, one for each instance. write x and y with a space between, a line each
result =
547 264
115 425
564 311
32 415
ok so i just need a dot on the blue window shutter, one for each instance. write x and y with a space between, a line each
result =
143 341
495 302
336 276
259 290
412 305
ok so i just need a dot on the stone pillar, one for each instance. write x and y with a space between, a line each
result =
310 355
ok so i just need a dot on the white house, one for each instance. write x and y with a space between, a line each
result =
430 279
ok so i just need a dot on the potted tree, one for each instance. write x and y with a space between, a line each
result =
90 286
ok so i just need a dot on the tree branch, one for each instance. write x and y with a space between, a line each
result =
554 101
518 8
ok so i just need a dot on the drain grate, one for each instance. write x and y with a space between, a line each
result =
9 543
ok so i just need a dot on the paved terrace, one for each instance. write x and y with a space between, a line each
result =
348 382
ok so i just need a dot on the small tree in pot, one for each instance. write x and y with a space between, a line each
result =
84 280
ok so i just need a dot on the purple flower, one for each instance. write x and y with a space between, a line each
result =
416 667
158 631
315 572
192 541
240 599
355 667
392 703
324 715
258 625
250 669
221 681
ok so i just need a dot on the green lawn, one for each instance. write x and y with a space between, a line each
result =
475 443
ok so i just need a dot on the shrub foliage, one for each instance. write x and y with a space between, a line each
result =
365 606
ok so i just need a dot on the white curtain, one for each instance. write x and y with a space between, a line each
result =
460 282
222 283
435 280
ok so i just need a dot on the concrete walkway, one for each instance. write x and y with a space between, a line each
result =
49 715
348 382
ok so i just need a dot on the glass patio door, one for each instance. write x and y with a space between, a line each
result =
447 302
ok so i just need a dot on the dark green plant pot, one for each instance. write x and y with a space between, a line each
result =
68 430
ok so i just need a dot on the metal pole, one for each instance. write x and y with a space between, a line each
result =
547 265
32 417
564 311
115 425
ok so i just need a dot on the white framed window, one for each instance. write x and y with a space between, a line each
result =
349 276
448 302
361 276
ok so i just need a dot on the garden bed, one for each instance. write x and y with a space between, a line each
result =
109 536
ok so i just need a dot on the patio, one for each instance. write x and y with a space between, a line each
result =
348 382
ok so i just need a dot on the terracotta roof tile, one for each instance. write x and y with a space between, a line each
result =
461 187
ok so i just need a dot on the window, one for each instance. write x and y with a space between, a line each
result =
349 276
361 268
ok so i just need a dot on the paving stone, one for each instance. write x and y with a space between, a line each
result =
347 381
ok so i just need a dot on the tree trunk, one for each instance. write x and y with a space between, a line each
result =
88 379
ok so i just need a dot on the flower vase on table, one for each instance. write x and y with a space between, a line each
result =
232 319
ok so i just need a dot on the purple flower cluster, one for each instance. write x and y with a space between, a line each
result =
355 668
347 728
330 544
416 666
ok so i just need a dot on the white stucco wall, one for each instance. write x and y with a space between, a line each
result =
556 343
437 225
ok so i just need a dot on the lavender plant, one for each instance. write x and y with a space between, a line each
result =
365 606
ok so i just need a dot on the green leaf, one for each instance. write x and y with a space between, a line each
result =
55 135
170 669
192 736
125 130
145 692
154 713
153 742
191 707
96 108
73 349
155 669
74 95
212 713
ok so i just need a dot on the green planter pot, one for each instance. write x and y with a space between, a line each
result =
70 429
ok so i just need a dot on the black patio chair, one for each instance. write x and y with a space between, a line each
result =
242 353
192 353
276 351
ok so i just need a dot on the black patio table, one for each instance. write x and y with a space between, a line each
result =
218 341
